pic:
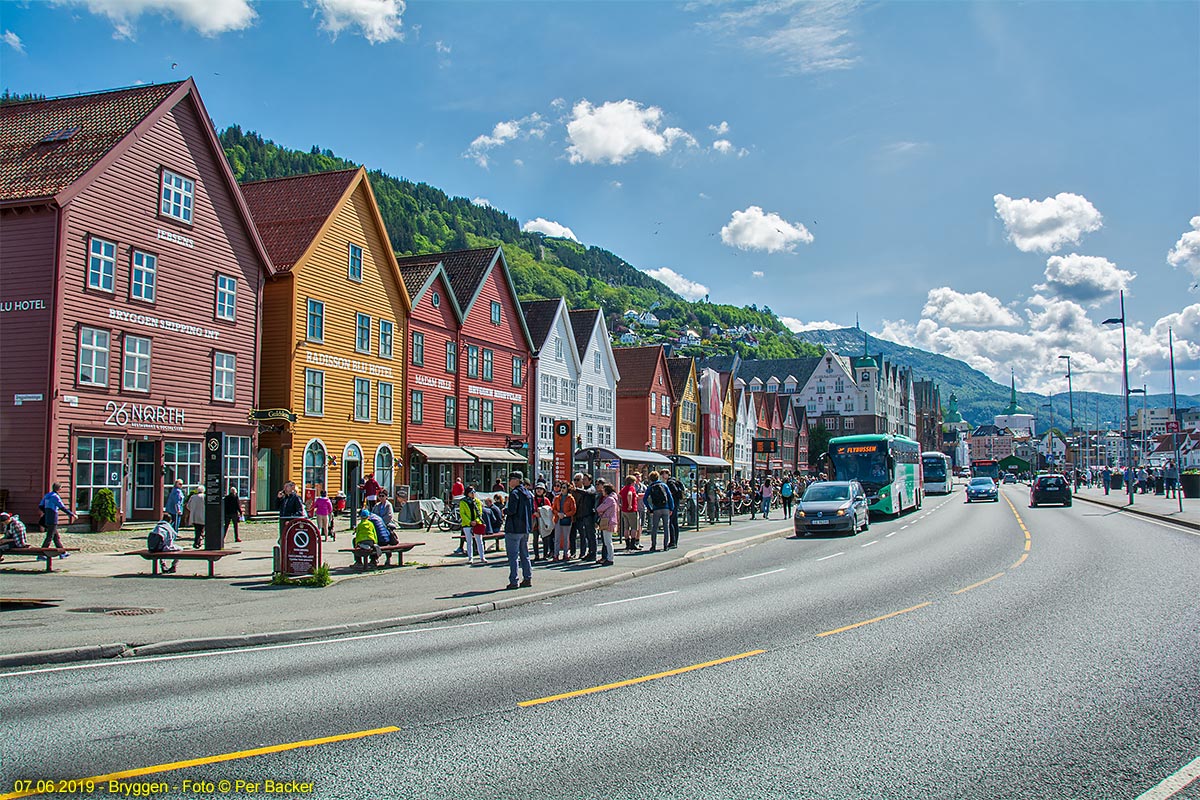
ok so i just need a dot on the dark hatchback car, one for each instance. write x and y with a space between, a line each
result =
1049 489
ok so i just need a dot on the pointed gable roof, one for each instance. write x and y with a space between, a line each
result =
679 368
539 318
638 366
291 212
419 275
32 168
583 323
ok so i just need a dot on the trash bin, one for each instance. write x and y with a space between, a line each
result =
1159 486
1116 481
1190 482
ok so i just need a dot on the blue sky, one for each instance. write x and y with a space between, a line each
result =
974 179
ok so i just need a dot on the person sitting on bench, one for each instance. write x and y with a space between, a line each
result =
162 539
13 535
385 534
366 540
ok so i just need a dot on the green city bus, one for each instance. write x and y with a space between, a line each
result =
887 466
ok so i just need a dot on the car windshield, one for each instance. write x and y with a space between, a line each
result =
981 483
826 492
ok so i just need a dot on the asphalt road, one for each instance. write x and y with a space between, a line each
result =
1070 669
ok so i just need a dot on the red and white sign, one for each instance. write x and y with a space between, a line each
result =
299 546
1172 426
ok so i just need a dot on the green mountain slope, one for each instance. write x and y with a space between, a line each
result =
423 219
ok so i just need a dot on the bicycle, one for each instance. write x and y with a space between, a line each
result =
446 519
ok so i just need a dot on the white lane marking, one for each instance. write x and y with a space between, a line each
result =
1173 784
826 558
890 535
868 544
760 574
631 599
906 526
112 662
1162 524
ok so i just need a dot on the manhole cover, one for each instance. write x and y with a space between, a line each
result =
117 611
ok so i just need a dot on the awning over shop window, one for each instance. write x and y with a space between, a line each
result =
711 462
491 455
444 455
625 456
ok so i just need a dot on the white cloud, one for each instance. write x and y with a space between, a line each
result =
758 273
797 325
684 287
703 196
550 228
722 145
504 132
558 103
1084 278
1186 252
1047 225
975 310
804 35
207 17
482 201
754 229
720 130
616 184
377 20
442 47
615 132
13 41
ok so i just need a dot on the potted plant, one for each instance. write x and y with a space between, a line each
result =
1190 482
103 512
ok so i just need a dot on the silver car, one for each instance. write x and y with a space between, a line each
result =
832 506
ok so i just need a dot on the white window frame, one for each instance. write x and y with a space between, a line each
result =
558 349
354 256
596 360
384 402
226 298
237 465
94 361
314 379
138 359
589 397
496 312
224 377
102 266
143 278
177 196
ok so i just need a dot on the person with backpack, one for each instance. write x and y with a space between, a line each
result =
50 505
366 541
786 490
470 511
658 504
631 527
677 491
163 540
563 507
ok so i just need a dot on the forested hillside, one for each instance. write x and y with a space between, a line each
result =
423 219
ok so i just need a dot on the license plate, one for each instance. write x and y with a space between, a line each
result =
820 522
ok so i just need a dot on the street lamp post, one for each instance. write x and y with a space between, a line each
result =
1071 402
1124 386
1178 423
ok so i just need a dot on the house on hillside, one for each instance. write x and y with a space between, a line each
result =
648 319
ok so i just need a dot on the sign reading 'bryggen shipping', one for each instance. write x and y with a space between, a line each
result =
163 324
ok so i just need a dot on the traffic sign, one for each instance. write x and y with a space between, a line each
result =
300 546
1172 426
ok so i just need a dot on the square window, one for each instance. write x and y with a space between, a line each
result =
224 377
316 321
495 313
362 333
386 329
102 265
226 298
384 406
136 371
416 407
418 349
93 357
314 392
143 277
177 196
354 270
362 399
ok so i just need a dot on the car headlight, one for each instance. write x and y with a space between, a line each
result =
799 513
841 512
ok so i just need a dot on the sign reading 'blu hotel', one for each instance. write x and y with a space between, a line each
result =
130 285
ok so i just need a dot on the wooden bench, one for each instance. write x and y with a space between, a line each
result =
494 538
155 556
399 549
50 553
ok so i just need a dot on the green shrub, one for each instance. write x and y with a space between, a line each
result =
104 507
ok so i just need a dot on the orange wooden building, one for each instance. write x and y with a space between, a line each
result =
335 324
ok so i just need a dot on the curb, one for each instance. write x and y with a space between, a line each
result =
122 650
1134 510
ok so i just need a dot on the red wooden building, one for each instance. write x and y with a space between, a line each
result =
130 288
468 375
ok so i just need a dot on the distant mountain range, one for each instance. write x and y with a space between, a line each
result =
979 397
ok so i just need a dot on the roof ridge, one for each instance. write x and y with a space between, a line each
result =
300 175
95 93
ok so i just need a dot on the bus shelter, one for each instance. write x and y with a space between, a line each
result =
691 470
613 464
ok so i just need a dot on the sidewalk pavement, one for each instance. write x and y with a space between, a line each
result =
106 603
1150 505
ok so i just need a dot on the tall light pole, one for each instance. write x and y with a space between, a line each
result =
1124 388
1049 433
1178 423
1071 401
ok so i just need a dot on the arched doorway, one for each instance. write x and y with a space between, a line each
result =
352 474
385 468
315 466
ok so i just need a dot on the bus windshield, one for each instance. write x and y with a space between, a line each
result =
865 463
934 468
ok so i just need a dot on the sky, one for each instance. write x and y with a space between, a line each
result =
974 179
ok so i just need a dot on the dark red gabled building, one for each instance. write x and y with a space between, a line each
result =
644 400
130 289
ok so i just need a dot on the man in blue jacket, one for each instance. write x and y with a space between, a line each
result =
50 505
518 522
659 504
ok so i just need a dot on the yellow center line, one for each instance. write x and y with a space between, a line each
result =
217 759
1020 560
977 585
1024 530
632 681
869 621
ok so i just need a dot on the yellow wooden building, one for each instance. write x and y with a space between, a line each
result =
331 389
728 417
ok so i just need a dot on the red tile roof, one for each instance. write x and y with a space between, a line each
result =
289 212
416 273
637 366
31 169
466 268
